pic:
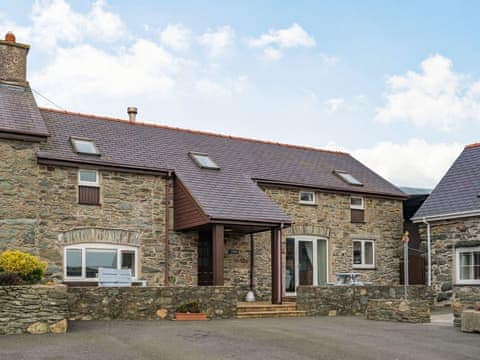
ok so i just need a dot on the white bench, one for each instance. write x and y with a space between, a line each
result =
114 277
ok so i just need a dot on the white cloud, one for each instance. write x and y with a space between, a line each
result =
274 40
83 70
217 41
54 21
414 163
334 104
176 36
436 96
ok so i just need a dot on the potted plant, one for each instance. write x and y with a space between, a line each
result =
190 311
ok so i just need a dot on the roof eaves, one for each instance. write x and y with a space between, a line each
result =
446 216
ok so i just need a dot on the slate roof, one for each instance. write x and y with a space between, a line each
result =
228 193
459 189
19 112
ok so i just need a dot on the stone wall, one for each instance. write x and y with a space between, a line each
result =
33 309
411 311
148 303
446 235
352 300
465 297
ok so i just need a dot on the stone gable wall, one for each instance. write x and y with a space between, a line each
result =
330 219
446 235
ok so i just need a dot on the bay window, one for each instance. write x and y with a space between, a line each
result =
82 261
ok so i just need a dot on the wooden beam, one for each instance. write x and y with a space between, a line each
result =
218 249
276 266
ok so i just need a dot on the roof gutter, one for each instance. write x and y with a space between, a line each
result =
456 215
330 189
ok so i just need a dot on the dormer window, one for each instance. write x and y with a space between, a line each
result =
204 161
348 178
84 146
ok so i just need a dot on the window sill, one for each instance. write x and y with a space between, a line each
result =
307 204
463 283
364 267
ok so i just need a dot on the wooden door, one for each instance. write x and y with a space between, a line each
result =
205 268
416 270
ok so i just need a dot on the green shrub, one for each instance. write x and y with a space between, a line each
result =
28 267
191 307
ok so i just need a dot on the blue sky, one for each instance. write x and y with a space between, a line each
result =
395 83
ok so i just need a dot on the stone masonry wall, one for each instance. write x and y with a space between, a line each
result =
446 235
352 300
329 218
33 309
411 311
149 303
465 297
39 205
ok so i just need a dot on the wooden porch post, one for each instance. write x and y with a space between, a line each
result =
276 266
218 253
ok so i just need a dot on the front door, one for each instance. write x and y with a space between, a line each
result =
205 265
306 262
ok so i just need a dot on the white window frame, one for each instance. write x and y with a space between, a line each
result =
357 207
459 251
300 201
89 183
362 253
97 246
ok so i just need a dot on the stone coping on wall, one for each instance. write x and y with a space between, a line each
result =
149 303
35 309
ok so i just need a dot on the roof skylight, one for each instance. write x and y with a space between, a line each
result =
348 178
84 146
204 161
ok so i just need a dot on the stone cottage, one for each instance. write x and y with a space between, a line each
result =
450 227
181 207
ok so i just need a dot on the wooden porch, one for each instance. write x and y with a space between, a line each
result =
265 309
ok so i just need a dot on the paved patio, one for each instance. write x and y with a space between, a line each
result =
283 338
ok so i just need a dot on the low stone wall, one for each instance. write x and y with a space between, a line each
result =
415 311
352 300
465 297
148 303
34 309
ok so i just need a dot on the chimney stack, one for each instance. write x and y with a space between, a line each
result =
13 61
132 113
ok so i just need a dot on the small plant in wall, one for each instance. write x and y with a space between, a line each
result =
18 268
190 311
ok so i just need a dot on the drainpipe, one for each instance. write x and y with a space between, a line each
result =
429 251
167 227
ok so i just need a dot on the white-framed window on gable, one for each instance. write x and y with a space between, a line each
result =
306 197
82 261
357 202
364 254
468 266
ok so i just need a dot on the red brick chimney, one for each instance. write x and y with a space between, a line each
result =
13 61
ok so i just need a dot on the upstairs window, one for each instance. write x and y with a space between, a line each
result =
357 209
348 178
203 160
88 187
307 197
84 146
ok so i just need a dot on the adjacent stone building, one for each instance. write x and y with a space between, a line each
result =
181 207
449 222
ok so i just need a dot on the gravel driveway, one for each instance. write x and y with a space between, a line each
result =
296 338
